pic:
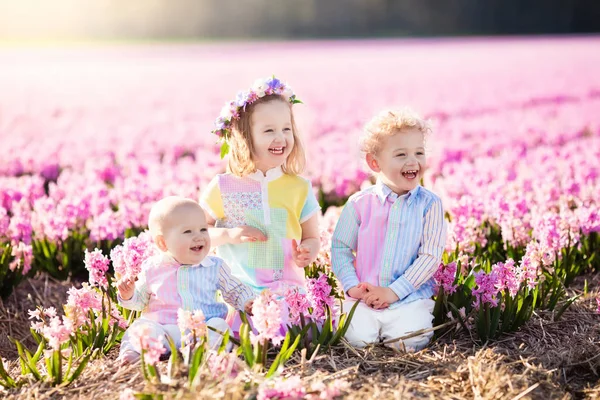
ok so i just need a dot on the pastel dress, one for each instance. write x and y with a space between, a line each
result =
277 204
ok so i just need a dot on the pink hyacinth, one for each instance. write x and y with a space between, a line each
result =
528 271
486 290
319 296
127 259
57 331
152 347
192 324
297 303
266 318
598 303
4 222
41 316
22 257
327 391
290 388
506 274
222 365
444 278
97 265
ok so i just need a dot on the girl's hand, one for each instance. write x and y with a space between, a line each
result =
303 254
245 233
126 288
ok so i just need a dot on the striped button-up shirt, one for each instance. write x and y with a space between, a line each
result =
390 241
164 286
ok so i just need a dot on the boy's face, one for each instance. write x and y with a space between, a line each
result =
272 135
186 235
401 161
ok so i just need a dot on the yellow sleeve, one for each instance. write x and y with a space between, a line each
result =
211 200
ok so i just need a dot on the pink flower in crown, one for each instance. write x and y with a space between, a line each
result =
260 88
97 265
192 324
290 388
141 339
297 303
444 278
127 259
486 290
266 318
506 274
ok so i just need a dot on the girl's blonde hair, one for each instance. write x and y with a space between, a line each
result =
242 147
388 123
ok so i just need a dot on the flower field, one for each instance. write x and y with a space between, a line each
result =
91 137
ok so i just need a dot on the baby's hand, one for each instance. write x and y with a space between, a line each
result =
126 288
378 297
248 306
245 233
301 254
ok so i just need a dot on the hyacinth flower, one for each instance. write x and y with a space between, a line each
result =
54 336
314 316
255 344
15 265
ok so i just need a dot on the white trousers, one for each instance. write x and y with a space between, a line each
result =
172 330
373 326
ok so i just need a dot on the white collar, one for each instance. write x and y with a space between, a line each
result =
170 260
271 174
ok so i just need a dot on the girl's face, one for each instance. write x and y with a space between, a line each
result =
272 135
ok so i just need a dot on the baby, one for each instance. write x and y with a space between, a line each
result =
182 276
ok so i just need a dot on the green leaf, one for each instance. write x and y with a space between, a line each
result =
7 381
342 330
224 149
82 364
246 345
564 307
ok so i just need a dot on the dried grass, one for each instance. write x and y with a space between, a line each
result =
544 360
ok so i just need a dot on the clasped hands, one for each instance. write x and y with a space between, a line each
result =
376 297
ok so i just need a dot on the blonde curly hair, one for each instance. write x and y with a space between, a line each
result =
388 123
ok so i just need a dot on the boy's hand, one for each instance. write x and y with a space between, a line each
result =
126 288
303 254
245 233
248 306
357 292
378 297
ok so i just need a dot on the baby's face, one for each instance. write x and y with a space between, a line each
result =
186 235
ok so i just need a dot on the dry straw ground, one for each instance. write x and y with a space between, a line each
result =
545 360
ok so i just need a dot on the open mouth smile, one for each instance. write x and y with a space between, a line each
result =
276 150
411 174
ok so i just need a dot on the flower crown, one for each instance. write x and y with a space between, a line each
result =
231 111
